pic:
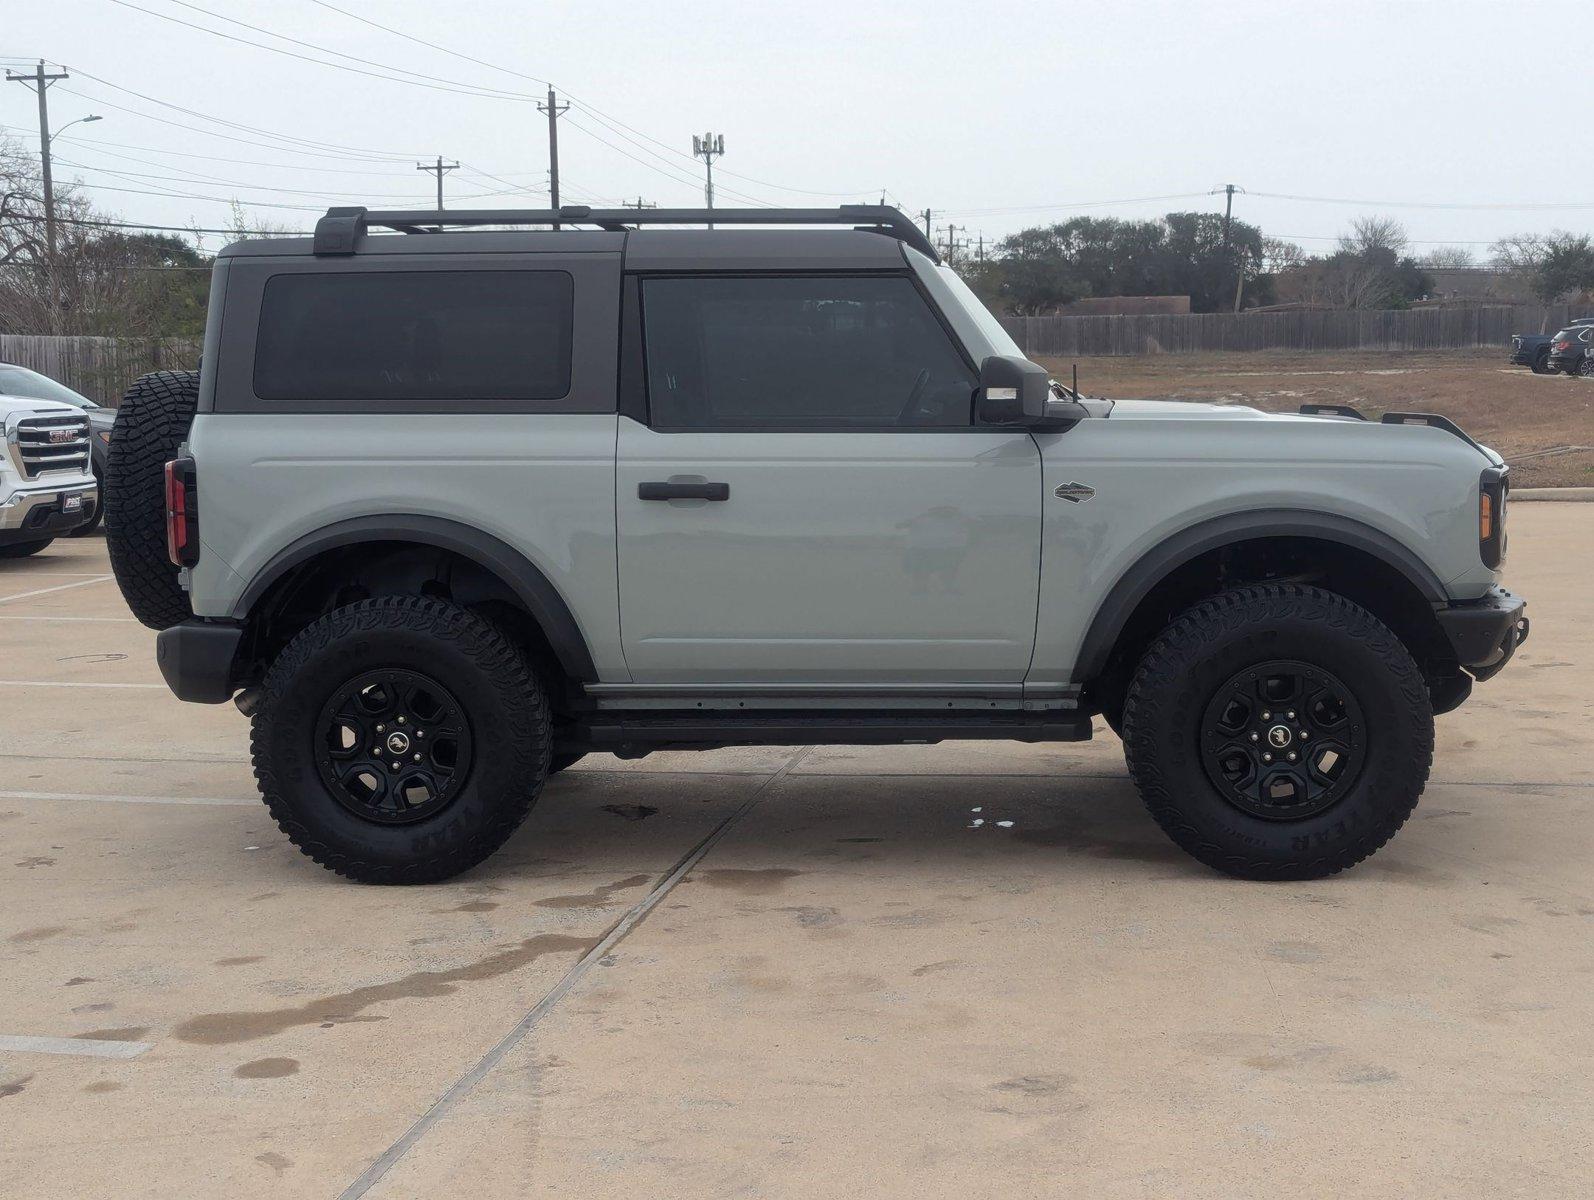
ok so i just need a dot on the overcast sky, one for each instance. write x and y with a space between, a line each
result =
974 110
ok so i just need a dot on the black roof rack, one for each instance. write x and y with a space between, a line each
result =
339 232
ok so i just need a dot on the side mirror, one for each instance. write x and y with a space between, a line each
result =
1013 391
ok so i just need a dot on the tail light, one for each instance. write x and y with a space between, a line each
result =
182 513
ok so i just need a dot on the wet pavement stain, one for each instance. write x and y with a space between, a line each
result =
76 979
38 934
267 1068
277 1162
470 906
13 1086
225 1028
100 1086
599 896
37 860
243 960
748 882
130 1034
630 812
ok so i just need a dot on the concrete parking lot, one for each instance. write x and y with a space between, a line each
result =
975 969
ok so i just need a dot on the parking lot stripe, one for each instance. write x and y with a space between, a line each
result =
64 683
60 587
468 1081
79 1047
228 800
114 620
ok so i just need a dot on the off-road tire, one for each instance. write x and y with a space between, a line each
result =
503 703
23 549
1191 659
151 423
560 762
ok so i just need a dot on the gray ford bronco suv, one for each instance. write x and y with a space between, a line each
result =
451 505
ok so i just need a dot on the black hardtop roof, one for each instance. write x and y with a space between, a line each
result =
344 231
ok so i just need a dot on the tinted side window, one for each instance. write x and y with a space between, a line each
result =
415 335
804 352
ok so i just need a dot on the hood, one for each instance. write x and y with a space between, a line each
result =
1184 410
11 405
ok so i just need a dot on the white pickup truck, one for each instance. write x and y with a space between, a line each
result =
47 487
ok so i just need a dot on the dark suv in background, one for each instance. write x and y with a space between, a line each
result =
1569 348
1533 349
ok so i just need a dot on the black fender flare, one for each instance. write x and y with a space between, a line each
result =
1135 584
530 585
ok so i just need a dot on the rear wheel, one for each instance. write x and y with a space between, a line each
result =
1278 732
400 740
1585 368
23 549
1541 364
151 423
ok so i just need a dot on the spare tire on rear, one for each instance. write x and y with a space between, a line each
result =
151 423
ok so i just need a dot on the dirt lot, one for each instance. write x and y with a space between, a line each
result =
797 972
1517 412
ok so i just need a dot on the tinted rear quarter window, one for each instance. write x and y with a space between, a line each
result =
415 335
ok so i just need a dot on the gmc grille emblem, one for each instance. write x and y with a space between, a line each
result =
57 436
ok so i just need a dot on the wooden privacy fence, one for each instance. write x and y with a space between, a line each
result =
1451 327
98 367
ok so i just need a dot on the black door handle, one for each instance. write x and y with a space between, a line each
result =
683 491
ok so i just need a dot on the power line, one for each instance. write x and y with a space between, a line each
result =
466 90
1491 207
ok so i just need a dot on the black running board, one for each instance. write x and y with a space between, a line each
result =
628 735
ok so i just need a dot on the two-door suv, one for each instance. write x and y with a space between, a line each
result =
447 508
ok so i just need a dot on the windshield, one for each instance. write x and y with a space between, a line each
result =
19 381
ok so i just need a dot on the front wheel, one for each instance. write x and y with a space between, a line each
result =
400 740
1278 732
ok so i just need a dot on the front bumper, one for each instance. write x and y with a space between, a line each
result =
34 513
196 660
1486 632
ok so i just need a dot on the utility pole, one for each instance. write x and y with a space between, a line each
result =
1228 191
979 255
926 215
638 204
440 168
952 244
40 83
555 110
708 147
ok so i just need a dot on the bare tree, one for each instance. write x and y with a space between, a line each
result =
1279 256
1449 258
1368 235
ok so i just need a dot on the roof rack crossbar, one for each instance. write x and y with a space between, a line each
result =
340 231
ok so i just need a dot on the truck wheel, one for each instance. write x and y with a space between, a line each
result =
1541 363
23 549
1278 732
151 423
400 740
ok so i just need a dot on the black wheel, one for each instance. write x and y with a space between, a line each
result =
99 511
151 423
1585 367
23 549
1278 732
400 740
1541 364
560 761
